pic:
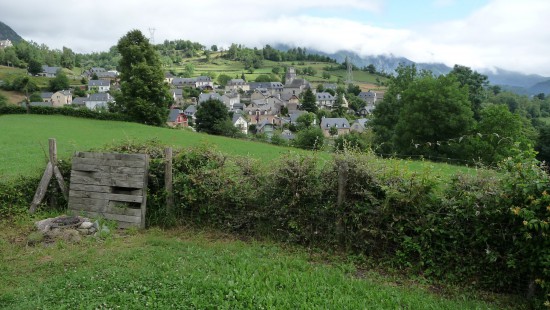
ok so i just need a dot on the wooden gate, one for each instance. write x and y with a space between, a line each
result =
112 186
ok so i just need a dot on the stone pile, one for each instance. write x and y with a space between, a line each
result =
69 228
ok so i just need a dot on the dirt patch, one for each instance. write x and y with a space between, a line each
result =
13 97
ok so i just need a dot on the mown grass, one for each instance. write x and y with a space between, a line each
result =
24 143
189 269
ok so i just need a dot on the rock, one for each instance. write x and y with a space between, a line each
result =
54 233
44 225
86 225
84 232
71 235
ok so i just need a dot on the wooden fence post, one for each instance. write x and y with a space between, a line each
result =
51 169
168 181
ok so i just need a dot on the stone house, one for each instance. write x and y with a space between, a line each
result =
234 85
325 100
240 122
359 125
341 124
102 86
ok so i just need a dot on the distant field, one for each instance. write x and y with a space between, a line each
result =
24 143
13 97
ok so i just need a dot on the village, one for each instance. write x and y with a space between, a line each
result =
264 107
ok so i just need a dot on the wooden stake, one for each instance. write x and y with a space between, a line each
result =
51 169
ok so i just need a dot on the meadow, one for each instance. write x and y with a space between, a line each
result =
24 143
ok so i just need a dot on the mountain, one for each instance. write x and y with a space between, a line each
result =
7 33
524 84
541 87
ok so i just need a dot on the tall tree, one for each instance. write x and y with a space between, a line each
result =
475 83
435 109
211 115
309 101
59 82
144 96
34 67
386 113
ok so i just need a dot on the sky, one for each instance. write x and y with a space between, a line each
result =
481 34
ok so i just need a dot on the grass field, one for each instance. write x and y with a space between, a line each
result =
187 269
24 143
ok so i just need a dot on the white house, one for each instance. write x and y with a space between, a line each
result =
102 86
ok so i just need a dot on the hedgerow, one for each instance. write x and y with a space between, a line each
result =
488 230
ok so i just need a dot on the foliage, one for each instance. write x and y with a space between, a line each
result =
311 138
475 83
435 109
34 67
3 101
144 96
353 141
308 102
223 79
59 82
305 121
210 115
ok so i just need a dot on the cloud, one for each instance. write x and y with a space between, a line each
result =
503 33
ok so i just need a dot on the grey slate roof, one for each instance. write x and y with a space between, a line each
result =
46 95
79 100
173 115
207 96
236 82
97 83
50 70
324 96
338 122
191 110
266 85
41 104
99 97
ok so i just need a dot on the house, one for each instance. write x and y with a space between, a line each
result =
291 102
341 124
367 96
177 118
202 82
49 71
38 104
266 127
190 112
168 77
110 75
234 85
61 98
102 86
330 86
230 100
359 125
5 43
240 122
293 85
287 135
366 110
267 88
46 96
177 95
325 100
79 101
209 96
98 101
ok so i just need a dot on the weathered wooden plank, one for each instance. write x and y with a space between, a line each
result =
111 156
125 198
87 167
122 210
42 187
78 179
123 221
128 170
86 207
127 183
90 188
87 194
115 217
144 203
89 201
61 182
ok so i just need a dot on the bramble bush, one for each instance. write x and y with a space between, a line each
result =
487 230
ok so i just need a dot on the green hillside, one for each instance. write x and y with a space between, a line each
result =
7 33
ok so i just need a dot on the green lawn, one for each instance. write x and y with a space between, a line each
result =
24 140
24 143
184 269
